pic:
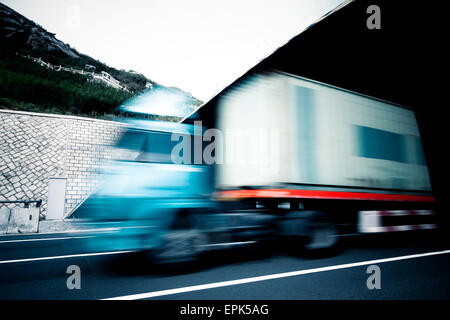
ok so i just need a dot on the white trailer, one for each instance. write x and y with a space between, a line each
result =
286 129
303 146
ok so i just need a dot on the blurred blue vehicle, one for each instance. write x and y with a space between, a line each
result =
145 194
150 203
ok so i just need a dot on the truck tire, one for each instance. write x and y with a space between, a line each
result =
180 246
322 233
312 231
183 243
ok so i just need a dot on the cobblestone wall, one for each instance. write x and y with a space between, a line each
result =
35 147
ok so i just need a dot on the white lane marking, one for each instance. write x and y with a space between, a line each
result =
270 277
65 257
43 239
228 244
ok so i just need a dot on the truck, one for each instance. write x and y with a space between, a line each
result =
274 156
328 161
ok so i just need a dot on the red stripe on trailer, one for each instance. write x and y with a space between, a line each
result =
318 194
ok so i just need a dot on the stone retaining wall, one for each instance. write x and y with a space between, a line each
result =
35 147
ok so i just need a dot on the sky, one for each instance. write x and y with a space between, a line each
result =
200 46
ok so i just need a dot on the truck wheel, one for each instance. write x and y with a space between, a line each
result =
322 233
180 246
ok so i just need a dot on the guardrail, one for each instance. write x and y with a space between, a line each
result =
109 80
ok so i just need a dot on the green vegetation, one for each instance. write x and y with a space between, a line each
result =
26 84
133 81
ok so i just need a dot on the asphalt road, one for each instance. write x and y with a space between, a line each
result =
34 267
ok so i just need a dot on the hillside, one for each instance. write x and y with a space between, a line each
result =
42 85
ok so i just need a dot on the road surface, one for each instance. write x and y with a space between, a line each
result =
414 266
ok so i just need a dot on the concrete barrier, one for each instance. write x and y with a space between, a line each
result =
23 220
4 218
56 226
